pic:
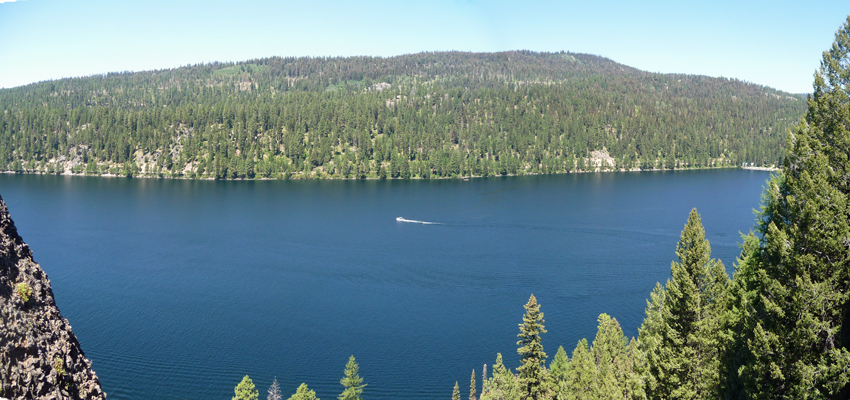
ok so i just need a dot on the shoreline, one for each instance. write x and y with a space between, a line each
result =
771 169
314 178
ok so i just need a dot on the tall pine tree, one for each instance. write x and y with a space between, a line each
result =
610 354
560 365
559 372
472 394
581 381
792 290
532 357
352 382
681 334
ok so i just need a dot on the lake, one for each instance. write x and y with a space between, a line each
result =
177 289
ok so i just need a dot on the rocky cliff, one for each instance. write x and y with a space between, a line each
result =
40 358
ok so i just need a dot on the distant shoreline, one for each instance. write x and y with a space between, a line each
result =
373 178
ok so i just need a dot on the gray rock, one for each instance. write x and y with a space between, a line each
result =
39 355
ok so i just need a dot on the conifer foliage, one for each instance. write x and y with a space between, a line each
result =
532 357
792 292
420 115
304 393
681 333
502 385
558 373
472 394
581 380
245 390
610 353
352 381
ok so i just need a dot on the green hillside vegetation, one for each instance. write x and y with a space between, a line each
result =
413 116
779 328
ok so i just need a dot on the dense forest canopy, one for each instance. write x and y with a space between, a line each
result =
420 115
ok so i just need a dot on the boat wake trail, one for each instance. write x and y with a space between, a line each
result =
413 221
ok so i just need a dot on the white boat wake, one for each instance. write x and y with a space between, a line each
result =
413 221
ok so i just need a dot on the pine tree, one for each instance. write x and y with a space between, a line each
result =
502 385
472 387
559 371
303 393
245 390
274 391
792 289
650 333
741 321
609 355
532 357
682 330
635 385
560 366
456 392
581 381
352 382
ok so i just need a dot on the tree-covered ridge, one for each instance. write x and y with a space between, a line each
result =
421 115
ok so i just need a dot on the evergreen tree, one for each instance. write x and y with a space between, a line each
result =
558 373
741 321
245 390
303 393
792 290
559 367
609 355
502 385
635 385
472 394
274 391
581 381
650 333
682 332
352 382
456 392
532 357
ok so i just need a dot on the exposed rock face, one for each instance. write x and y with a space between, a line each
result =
40 358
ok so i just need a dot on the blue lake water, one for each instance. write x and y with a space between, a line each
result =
177 289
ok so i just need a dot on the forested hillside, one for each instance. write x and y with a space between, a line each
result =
420 115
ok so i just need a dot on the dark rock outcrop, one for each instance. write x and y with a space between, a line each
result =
40 358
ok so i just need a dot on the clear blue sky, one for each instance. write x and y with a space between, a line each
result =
773 43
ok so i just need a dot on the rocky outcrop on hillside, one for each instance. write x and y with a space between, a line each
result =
40 358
